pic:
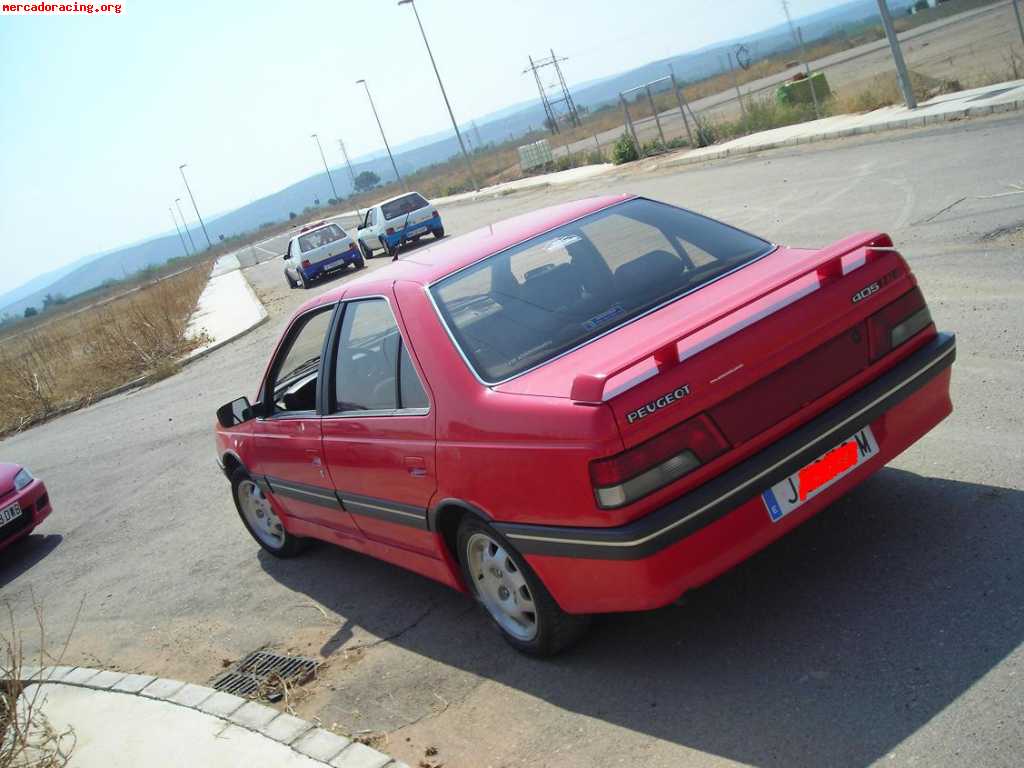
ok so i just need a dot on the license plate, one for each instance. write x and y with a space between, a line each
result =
8 514
802 486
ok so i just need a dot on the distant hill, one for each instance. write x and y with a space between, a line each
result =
509 122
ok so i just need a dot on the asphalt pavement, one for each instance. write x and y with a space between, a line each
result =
887 629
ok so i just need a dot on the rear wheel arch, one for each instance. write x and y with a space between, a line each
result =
444 518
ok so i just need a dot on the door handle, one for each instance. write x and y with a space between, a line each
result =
416 465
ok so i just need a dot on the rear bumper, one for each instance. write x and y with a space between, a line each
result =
429 226
346 259
35 506
651 561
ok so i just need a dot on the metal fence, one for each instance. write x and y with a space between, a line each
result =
981 45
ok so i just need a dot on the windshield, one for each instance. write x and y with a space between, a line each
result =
403 205
519 308
320 237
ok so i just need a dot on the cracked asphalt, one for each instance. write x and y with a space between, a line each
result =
887 629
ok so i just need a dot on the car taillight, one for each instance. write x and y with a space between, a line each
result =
632 474
352 246
435 215
305 263
894 324
391 230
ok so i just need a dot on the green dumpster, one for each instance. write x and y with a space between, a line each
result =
799 91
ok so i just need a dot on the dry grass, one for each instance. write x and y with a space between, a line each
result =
75 358
27 739
883 91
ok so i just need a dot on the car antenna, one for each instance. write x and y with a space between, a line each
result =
401 241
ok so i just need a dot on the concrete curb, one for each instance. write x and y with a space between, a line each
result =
264 317
300 735
863 130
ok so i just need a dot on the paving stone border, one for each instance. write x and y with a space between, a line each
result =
302 736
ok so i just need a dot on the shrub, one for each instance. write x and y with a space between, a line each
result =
707 134
624 150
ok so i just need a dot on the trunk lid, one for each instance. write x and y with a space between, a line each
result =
750 348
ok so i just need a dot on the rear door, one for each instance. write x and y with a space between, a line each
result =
288 437
378 431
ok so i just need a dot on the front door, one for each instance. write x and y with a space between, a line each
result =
378 433
288 435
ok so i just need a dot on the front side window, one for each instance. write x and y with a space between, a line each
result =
373 371
530 303
400 206
293 380
320 237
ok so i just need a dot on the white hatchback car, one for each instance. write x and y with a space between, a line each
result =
322 249
384 224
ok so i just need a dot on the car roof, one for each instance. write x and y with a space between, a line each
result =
321 225
427 265
399 197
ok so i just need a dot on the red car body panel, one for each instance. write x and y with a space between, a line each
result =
33 499
778 355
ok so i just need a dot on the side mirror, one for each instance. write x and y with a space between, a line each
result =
285 256
360 226
234 413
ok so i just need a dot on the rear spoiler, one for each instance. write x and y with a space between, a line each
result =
588 388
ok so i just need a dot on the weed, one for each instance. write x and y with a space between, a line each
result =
27 738
624 150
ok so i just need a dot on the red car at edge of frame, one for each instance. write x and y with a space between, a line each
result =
594 407
24 503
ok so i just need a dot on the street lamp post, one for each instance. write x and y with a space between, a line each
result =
458 135
329 177
193 199
897 55
178 230
351 173
386 146
177 202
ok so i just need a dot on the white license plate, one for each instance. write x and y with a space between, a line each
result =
803 485
7 514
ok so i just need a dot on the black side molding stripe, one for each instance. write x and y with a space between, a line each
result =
721 495
311 494
367 506
382 509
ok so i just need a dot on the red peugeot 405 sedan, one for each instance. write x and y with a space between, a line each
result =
24 503
594 407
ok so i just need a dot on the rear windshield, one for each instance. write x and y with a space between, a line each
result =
526 305
319 237
403 205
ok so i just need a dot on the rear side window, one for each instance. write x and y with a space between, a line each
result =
526 305
320 237
403 205
373 371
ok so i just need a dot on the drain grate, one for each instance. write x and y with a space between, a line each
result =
264 675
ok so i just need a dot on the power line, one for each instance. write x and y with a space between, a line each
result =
551 105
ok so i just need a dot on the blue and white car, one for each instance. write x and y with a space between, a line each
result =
384 223
324 248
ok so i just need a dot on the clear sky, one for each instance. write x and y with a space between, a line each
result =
97 112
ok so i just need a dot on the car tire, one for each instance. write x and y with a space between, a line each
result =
504 584
439 233
367 253
359 262
288 279
259 518
301 281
